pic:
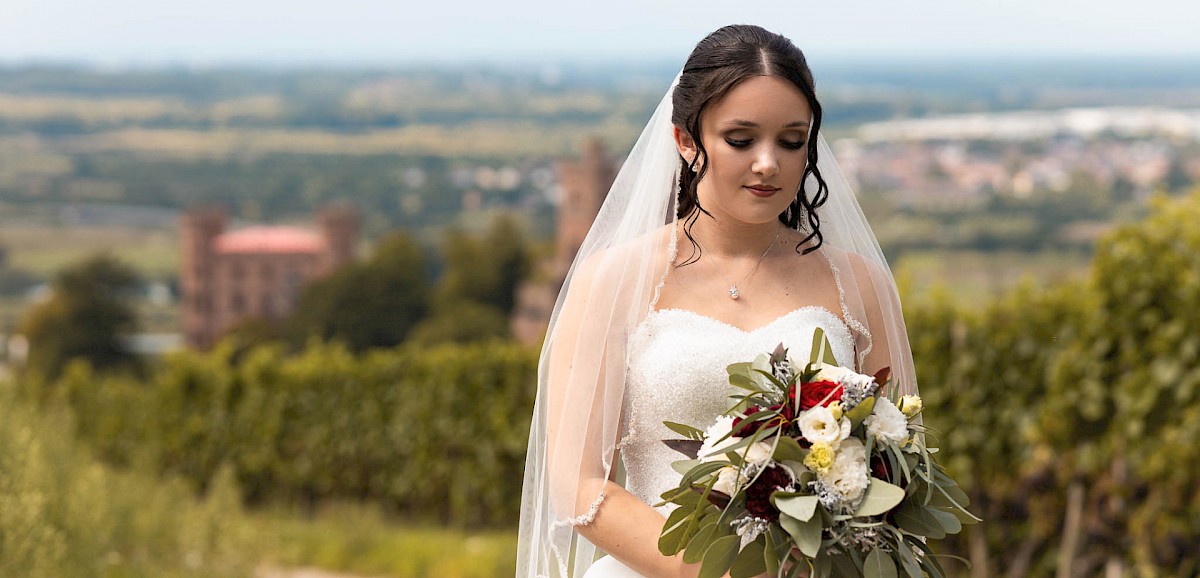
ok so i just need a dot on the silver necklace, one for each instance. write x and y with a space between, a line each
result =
733 287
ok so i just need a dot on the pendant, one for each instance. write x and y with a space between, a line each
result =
733 292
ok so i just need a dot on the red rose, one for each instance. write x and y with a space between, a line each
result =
819 393
749 428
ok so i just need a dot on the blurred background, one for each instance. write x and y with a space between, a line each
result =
273 275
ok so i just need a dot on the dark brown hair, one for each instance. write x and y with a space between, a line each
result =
717 64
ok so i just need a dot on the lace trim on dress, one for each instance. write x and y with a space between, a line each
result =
851 322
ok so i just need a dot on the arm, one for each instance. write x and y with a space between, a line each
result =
586 368
882 314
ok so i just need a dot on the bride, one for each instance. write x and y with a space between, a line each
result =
728 230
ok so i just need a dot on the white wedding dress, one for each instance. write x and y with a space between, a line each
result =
676 373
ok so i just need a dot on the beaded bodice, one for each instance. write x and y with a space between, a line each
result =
676 373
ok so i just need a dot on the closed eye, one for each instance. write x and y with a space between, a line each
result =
738 144
793 145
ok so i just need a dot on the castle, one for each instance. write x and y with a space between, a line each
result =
584 184
255 272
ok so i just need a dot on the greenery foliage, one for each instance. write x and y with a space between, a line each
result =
434 435
1090 387
370 304
86 316
63 514
1068 412
478 288
358 540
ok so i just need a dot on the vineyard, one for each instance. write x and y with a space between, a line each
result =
1069 412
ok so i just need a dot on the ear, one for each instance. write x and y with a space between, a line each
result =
686 146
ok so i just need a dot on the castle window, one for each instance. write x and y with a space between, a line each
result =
238 303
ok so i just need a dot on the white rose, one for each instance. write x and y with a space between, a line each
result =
849 475
729 479
887 422
713 445
819 426
758 453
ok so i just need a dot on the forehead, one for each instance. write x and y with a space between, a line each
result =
768 101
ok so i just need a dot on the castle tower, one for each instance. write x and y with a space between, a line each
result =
339 227
584 184
198 228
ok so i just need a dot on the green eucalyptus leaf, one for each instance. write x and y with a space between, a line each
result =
770 556
916 519
879 565
908 560
699 543
749 561
822 566
948 521
684 466
799 507
719 557
822 352
881 497
789 449
844 566
805 533
692 433
743 381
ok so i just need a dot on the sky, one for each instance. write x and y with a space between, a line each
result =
398 32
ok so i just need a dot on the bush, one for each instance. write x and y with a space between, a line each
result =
434 435
63 514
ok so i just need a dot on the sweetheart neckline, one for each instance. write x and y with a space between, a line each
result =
817 308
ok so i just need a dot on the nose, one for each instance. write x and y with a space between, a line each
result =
766 162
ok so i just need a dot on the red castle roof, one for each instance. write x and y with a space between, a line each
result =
262 239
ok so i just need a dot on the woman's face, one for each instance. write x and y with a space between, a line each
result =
756 138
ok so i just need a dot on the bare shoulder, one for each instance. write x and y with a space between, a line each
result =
861 267
651 249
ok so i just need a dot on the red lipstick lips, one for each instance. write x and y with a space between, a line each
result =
762 190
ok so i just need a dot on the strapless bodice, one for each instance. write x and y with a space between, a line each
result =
676 372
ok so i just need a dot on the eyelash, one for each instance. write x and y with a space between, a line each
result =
745 143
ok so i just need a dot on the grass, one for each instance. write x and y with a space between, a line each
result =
44 249
359 540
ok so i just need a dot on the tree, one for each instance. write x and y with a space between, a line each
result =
368 305
478 289
89 311
485 269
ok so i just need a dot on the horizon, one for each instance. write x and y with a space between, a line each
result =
366 34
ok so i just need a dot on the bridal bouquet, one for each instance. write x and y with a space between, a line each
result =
813 468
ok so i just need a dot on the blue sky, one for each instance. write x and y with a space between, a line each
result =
368 32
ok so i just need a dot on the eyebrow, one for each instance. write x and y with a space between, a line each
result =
751 124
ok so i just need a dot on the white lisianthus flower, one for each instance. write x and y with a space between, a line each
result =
887 422
848 475
819 426
729 479
842 375
758 453
713 445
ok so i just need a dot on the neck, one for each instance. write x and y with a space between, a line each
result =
726 240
